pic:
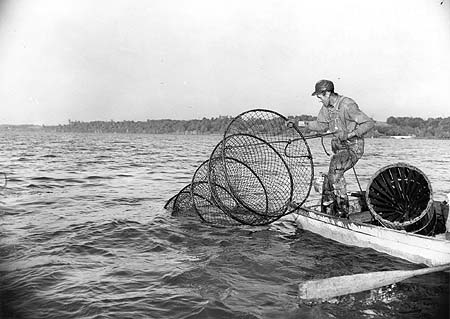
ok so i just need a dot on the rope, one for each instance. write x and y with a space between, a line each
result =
324 148
357 179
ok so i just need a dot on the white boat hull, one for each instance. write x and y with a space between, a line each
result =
417 249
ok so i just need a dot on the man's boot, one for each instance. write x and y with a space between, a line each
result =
342 206
327 201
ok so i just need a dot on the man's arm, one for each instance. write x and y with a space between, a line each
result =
317 126
321 124
363 123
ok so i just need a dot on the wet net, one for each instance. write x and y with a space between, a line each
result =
261 170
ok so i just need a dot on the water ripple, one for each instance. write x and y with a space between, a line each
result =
83 235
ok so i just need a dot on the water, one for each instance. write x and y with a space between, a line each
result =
83 234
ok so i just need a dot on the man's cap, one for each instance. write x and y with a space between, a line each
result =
322 86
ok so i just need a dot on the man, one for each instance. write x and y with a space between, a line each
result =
341 115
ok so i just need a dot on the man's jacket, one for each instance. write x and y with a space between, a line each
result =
346 116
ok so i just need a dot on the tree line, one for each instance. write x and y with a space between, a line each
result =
430 128
394 126
215 125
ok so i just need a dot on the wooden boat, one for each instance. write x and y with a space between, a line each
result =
396 215
420 249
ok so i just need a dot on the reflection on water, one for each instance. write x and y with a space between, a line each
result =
83 234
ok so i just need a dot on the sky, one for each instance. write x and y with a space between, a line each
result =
137 60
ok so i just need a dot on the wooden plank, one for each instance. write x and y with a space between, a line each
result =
343 285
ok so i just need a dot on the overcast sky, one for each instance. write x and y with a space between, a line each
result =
136 60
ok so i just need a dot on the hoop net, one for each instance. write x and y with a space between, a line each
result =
260 171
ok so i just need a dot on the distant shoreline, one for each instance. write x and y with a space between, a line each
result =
394 127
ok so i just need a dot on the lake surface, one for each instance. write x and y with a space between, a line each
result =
83 234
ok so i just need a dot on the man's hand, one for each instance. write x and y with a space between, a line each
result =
290 123
301 125
342 136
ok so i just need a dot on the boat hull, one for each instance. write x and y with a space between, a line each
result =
418 249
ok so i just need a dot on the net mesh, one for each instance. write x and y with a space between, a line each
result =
286 140
261 170
203 201
181 203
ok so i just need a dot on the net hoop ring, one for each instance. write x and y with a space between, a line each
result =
216 198
200 178
300 137
234 191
